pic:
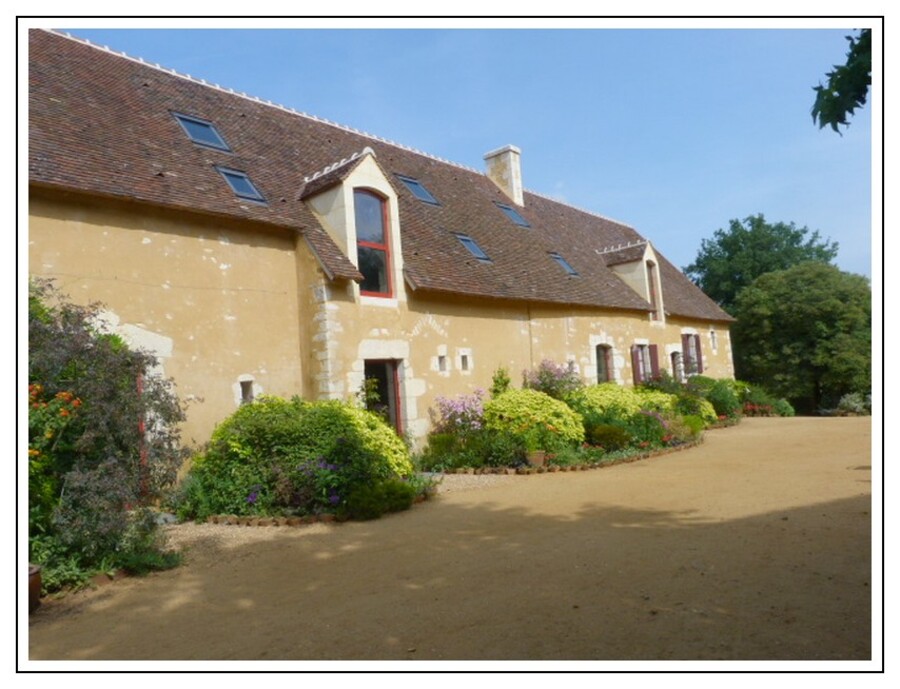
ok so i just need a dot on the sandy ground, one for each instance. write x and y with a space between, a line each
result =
753 546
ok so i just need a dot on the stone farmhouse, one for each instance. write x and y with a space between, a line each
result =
258 250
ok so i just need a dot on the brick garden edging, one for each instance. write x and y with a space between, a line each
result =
232 520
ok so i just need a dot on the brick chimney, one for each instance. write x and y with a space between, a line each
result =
504 167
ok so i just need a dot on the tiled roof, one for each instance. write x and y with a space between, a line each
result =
102 123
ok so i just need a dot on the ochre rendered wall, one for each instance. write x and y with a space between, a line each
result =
217 303
221 303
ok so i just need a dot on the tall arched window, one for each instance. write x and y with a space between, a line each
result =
372 243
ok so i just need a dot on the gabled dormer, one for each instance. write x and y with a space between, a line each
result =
636 264
357 205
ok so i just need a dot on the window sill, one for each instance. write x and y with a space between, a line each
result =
368 300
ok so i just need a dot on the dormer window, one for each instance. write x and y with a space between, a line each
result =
241 185
418 190
563 263
512 214
473 248
201 132
372 244
651 287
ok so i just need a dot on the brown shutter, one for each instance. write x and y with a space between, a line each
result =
686 353
654 361
636 363
699 356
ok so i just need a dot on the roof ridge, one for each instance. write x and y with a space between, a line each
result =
334 166
582 210
260 101
620 247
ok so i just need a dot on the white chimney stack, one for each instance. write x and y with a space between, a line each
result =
504 167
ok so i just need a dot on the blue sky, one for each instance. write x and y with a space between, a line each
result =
672 131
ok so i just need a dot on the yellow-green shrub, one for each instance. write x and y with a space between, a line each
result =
540 421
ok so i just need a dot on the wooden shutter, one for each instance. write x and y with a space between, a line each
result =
699 355
686 354
654 361
636 363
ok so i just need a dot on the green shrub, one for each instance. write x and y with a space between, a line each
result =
722 396
500 381
291 456
605 401
647 428
694 424
851 403
535 419
608 436
783 408
370 501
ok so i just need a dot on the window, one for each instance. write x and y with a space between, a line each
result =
246 391
464 362
693 357
473 248
418 190
564 263
678 367
201 132
651 287
604 363
513 214
442 363
372 243
714 339
241 185
644 362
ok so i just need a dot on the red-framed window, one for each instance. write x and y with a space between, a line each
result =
373 243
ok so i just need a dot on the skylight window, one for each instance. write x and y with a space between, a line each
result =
513 214
473 247
418 190
201 132
564 263
241 185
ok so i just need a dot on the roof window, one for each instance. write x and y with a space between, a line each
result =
513 214
418 190
240 184
473 248
564 263
201 132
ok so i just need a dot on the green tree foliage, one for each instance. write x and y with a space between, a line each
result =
848 85
733 259
805 334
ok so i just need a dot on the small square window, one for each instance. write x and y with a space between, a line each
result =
201 132
564 263
513 214
240 184
418 190
473 248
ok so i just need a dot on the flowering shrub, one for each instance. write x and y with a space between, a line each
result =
291 457
609 401
460 414
94 461
538 420
556 380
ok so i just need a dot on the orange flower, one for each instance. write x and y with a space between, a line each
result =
63 412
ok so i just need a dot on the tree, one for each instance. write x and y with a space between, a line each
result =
735 258
805 334
848 85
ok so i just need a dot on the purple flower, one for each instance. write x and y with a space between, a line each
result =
252 497
334 498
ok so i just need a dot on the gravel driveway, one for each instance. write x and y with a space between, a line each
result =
753 546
